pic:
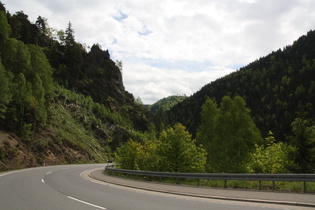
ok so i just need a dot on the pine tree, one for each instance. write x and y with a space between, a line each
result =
69 39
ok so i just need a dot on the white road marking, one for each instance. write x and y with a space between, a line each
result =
48 173
17 171
43 181
82 173
90 204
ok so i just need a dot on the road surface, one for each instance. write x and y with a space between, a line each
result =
66 187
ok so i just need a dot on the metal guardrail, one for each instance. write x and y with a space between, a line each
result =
221 176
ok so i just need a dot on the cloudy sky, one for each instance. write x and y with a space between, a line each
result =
175 47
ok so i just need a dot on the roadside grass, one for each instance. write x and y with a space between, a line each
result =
280 186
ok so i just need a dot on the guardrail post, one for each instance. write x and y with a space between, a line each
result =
198 182
259 185
304 183
224 183
273 186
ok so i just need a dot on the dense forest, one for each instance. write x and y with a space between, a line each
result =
64 102
279 89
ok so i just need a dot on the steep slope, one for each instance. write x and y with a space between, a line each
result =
106 78
58 102
277 88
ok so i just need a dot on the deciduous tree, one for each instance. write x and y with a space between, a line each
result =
272 157
206 131
179 152
5 91
229 134
304 139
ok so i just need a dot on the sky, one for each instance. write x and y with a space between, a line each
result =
175 47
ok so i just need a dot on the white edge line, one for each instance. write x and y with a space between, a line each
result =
82 173
18 171
96 206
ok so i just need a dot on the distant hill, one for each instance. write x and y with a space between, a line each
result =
166 103
277 88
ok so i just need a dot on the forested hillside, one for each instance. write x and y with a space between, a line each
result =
277 88
59 101
64 102
166 104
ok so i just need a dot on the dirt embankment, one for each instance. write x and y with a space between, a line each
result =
16 153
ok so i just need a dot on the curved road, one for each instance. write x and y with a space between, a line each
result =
65 187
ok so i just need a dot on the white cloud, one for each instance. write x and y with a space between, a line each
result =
176 47
152 83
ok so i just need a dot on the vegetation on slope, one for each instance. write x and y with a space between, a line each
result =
279 91
166 104
58 102
277 88
63 103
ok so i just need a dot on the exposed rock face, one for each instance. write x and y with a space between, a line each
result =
105 78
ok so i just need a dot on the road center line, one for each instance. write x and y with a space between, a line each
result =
90 204
43 181
48 173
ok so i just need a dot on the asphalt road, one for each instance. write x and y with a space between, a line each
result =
66 187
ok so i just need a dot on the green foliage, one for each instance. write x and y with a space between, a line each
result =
76 135
277 88
27 133
96 110
206 131
272 157
31 81
228 133
5 93
179 152
304 140
41 78
5 29
41 66
92 112
16 57
129 155
166 103
175 151
30 77
92 118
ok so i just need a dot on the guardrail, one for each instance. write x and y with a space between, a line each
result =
221 176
